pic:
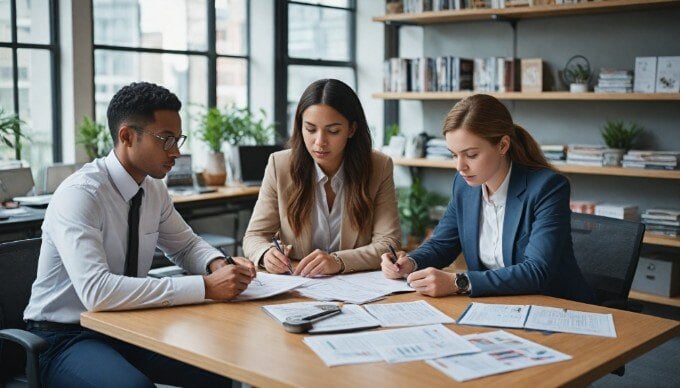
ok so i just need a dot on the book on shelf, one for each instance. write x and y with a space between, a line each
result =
622 212
585 207
662 214
531 75
553 147
650 165
664 230
645 75
423 75
668 75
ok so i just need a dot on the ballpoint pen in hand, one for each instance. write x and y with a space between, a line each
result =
394 257
230 260
278 248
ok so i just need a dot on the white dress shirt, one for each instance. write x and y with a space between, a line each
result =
327 225
491 225
84 234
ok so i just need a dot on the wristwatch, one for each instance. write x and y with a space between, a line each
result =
462 283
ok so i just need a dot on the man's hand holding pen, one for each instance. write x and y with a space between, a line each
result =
228 278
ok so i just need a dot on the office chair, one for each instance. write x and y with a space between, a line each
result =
18 269
607 251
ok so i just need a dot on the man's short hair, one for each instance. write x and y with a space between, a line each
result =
137 103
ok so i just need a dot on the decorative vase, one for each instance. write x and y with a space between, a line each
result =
215 173
578 88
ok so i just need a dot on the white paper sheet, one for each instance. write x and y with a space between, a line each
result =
266 285
397 345
500 352
407 314
499 315
358 288
570 321
353 317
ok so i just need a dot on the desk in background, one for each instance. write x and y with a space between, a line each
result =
224 200
240 341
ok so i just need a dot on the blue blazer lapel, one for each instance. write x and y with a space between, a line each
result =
472 201
514 207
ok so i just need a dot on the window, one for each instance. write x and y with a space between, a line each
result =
315 39
29 78
199 49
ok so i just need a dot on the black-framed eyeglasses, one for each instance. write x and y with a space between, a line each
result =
168 141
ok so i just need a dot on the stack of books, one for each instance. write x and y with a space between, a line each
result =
614 81
436 149
555 153
658 160
622 212
662 221
585 154
585 207
453 74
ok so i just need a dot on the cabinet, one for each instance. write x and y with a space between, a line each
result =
555 32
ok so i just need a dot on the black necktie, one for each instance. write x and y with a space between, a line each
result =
133 235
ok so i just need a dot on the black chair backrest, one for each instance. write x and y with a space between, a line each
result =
18 269
607 250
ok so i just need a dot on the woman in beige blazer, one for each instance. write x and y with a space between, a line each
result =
330 198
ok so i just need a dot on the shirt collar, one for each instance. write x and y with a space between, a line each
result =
336 181
500 196
125 184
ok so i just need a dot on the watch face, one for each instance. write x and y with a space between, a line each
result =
462 282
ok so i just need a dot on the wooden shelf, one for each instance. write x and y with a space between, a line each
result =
539 11
565 168
534 96
657 239
669 301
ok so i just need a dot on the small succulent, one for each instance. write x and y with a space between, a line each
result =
616 134
579 74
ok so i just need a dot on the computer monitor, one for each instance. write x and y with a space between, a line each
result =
15 182
181 173
253 162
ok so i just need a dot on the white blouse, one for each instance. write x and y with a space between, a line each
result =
491 225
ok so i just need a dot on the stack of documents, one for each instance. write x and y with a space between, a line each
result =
500 352
393 346
357 288
538 318
266 285
354 317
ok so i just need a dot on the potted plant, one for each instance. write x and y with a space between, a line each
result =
415 203
577 74
619 138
95 138
233 126
10 131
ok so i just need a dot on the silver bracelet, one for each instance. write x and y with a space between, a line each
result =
339 261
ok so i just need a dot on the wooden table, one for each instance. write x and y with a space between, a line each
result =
240 341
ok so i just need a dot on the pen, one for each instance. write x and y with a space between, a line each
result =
230 260
278 248
394 257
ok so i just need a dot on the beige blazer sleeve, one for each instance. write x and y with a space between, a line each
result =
359 251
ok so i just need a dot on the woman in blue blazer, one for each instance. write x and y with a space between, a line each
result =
509 214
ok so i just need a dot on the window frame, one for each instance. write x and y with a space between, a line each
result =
210 54
55 70
282 60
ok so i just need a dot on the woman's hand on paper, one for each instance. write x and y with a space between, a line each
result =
398 270
277 262
317 263
433 282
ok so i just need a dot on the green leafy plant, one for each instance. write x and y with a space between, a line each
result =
233 125
579 74
391 130
10 131
415 203
616 134
95 138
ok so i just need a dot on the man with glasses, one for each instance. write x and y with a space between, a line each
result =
99 235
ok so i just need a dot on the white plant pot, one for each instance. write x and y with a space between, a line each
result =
578 88
613 156
215 173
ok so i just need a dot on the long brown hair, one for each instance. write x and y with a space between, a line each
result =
489 119
358 162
